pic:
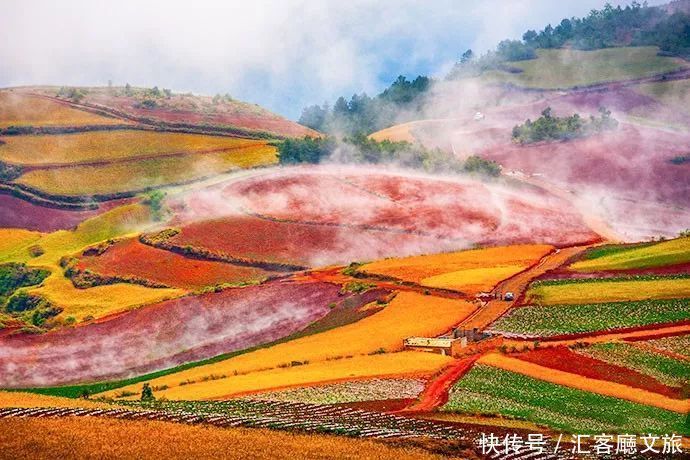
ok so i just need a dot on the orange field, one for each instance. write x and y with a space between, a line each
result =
130 258
26 110
89 437
409 314
470 271
358 367
105 146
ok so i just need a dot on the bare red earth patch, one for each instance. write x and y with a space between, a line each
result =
564 359
132 258
262 240
18 213
167 334
459 210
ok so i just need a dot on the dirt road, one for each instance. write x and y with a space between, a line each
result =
517 284
436 393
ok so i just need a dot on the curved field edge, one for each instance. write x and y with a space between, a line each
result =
577 381
103 147
79 390
664 368
114 180
408 314
671 252
604 290
488 390
17 109
570 68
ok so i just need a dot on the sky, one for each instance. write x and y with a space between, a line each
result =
282 55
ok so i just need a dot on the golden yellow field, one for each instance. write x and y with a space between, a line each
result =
13 238
111 145
470 271
98 301
409 314
21 399
391 364
671 252
140 174
82 437
579 382
26 110
609 291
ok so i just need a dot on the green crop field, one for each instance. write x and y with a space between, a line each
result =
566 68
666 253
487 390
568 319
665 369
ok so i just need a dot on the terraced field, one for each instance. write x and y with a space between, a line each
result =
408 314
472 270
487 390
138 175
552 320
588 363
566 68
18 109
294 243
130 258
596 290
671 371
187 329
667 253
105 146
187 109
459 211
347 392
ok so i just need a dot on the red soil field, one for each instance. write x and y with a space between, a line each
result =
564 359
18 213
461 210
666 270
256 239
132 258
179 110
167 334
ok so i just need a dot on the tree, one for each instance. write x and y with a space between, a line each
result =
314 117
147 393
467 56
154 199
128 89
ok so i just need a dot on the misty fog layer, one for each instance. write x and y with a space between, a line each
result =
166 334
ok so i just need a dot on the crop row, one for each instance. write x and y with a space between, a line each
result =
488 390
345 392
665 369
570 319
300 416
562 281
678 344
